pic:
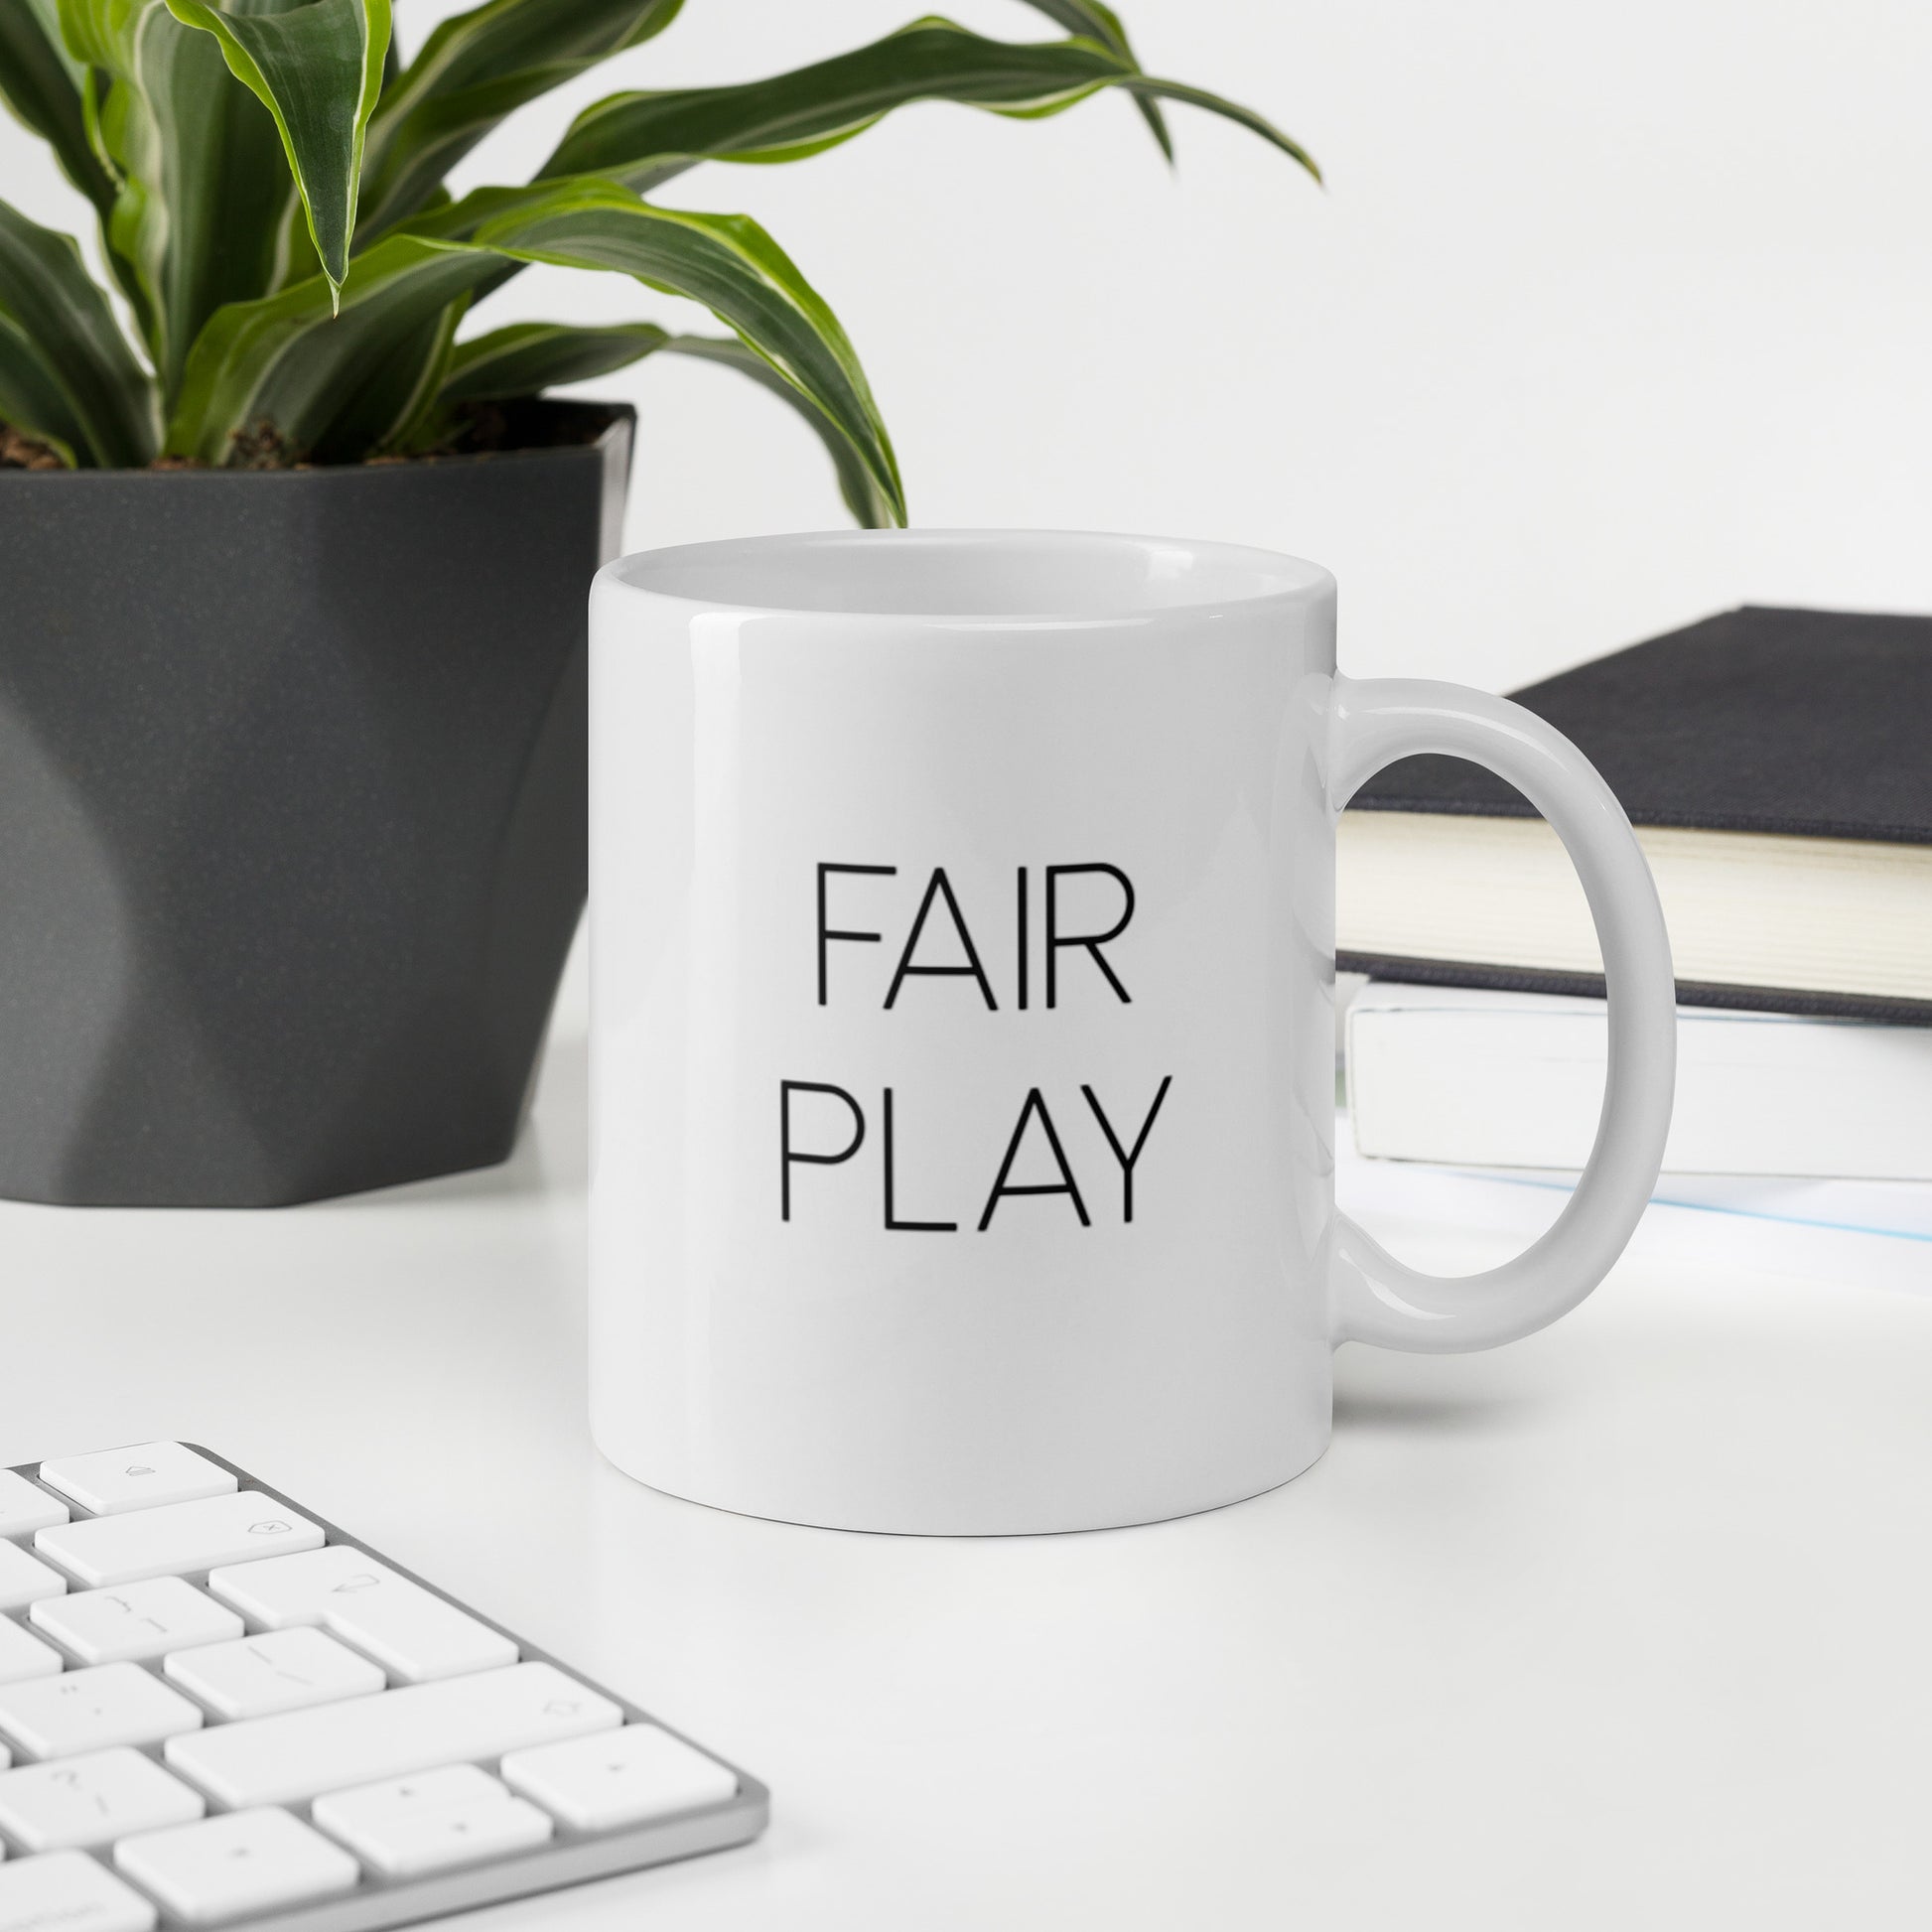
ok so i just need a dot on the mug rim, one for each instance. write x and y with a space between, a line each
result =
1152 578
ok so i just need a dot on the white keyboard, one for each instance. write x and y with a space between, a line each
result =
215 1708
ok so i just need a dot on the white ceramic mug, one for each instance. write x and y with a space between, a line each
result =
962 1040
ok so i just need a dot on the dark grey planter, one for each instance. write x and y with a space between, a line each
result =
292 814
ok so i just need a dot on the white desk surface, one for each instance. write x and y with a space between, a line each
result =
1629 1624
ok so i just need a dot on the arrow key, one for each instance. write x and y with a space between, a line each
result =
404 1827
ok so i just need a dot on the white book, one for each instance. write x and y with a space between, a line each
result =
1480 1079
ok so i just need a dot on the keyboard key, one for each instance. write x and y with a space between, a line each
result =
67 1891
24 1580
91 1710
442 1841
24 1508
247 1861
77 1802
406 1827
176 1539
23 1655
112 1482
622 1777
283 1670
455 1787
303 1754
411 1632
138 1621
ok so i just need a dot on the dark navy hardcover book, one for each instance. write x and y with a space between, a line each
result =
1815 723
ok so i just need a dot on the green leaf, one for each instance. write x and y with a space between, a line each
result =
644 139
1091 21
1147 87
294 367
472 71
725 261
203 216
61 315
316 68
283 363
529 356
41 84
863 497
32 399
405 395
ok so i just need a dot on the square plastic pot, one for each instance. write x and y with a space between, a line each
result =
292 814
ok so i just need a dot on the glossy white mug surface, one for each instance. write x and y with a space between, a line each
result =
962 1038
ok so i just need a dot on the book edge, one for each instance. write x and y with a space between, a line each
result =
1690 993
1638 814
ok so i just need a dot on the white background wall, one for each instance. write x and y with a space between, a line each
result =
1607 318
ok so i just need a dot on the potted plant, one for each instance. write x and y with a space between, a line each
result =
292 661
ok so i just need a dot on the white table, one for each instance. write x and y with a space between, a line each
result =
1627 1625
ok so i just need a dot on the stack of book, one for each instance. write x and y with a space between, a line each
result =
1777 765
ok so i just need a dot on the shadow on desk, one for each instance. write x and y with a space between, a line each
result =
1386 1413
1493 1392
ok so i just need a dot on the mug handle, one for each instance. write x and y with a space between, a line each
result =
1374 1297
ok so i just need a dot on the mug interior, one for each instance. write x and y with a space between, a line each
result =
984 575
